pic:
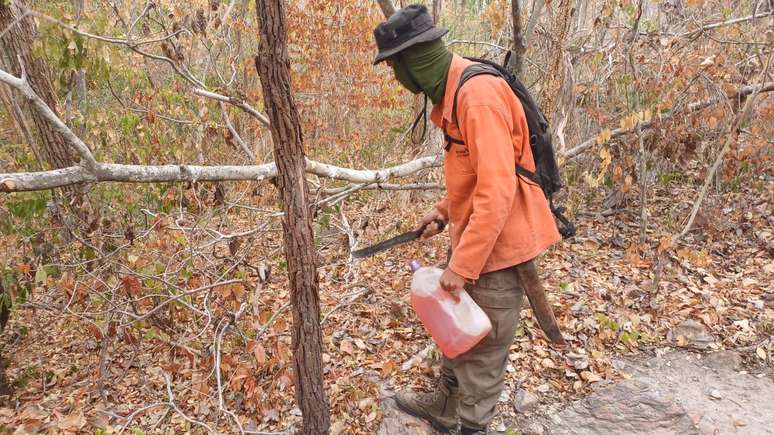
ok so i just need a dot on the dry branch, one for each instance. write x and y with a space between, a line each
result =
724 23
741 92
235 101
30 181
90 170
732 135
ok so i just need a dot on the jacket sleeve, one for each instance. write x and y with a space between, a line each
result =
488 135
443 207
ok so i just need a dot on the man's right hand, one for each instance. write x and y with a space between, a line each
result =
432 227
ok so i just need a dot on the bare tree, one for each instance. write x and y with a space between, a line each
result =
555 78
273 66
517 51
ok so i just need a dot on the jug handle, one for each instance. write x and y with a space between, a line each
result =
455 294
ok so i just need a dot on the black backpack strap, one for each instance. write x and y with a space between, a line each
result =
451 140
520 170
567 229
468 73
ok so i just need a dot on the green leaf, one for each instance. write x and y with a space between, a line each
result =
41 275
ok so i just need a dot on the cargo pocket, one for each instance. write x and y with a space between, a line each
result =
502 306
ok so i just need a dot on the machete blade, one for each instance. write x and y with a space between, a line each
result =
395 241
387 244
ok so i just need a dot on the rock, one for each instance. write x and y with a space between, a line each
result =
724 359
543 388
525 401
691 334
533 428
579 361
715 394
397 422
626 407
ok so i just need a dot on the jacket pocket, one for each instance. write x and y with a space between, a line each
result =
459 160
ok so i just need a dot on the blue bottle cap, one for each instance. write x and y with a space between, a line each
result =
414 265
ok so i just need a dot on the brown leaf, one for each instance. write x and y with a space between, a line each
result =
590 376
73 422
258 351
388 367
347 347
131 285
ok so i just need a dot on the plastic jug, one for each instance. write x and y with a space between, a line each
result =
455 325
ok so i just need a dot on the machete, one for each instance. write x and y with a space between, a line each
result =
395 241
530 282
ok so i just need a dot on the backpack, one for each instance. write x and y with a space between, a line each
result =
546 173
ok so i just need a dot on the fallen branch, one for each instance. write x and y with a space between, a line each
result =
104 172
407 186
742 91
724 23
171 403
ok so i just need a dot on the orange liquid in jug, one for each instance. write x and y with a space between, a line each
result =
449 331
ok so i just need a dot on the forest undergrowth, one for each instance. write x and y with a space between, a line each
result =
613 295
164 307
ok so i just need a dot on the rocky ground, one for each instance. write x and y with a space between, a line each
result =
674 391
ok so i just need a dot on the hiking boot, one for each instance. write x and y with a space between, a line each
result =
468 431
439 408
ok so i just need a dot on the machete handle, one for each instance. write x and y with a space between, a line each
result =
441 225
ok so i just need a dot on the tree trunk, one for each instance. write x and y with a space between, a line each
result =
437 9
19 122
273 67
16 44
555 77
517 51
387 7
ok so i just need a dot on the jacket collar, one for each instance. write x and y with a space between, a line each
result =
442 112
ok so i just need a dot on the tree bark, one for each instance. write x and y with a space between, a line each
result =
517 51
22 127
387 7
16 45
273 67
437 9
555 71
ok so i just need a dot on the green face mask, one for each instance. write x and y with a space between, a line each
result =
428 65
403 76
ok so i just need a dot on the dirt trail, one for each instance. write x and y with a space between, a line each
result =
678 392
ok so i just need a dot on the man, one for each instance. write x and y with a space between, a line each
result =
496 219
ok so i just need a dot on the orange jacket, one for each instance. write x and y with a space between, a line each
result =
496 219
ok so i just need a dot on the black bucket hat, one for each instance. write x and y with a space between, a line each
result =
406 27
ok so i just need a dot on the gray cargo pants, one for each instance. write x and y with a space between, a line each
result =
479 372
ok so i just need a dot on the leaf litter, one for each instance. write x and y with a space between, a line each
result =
612 295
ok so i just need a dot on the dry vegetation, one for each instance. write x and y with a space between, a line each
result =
163 308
